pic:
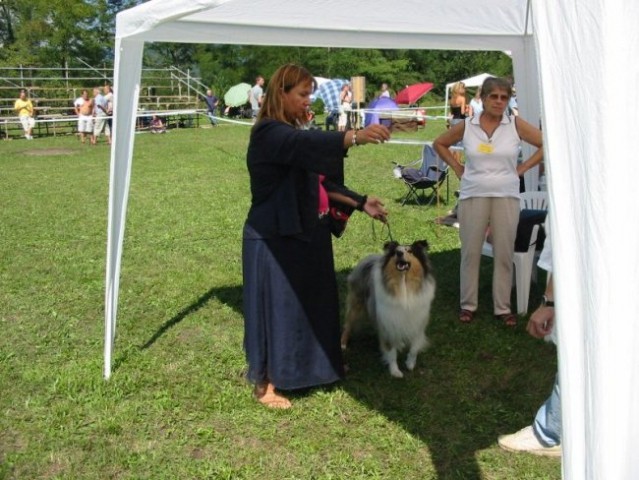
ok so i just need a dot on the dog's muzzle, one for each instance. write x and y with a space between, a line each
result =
401 264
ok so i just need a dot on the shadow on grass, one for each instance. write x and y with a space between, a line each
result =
229 295
474 383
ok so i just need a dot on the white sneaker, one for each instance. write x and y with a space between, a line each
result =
526 441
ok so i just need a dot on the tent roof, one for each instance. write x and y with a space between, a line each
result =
475 81
487 25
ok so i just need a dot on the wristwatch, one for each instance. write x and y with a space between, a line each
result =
547 303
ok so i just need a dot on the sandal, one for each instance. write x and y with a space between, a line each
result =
508 319
465 316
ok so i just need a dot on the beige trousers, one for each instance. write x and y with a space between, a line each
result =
475 215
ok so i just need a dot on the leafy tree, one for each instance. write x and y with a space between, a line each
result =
7 18
56 32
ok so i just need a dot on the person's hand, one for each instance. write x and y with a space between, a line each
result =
541 322
374 208
521 169
376 133
458 169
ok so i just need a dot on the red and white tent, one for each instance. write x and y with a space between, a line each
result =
572 62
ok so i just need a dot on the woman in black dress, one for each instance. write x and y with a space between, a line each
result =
291 310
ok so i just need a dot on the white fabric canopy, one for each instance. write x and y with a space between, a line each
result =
574 63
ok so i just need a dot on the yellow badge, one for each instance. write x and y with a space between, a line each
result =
485 148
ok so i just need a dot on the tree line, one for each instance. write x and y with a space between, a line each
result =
59 33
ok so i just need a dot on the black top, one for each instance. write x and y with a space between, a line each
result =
284 165
457 112
211 103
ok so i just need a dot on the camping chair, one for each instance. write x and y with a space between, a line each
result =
429 176
524 262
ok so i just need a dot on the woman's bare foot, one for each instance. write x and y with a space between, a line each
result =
265 394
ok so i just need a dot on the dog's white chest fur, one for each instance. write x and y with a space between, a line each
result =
403 315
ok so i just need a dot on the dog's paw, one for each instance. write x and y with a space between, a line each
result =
410 363
396 372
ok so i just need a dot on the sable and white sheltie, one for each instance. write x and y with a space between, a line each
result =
394 290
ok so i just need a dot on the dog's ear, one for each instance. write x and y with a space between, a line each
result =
423 244
390 246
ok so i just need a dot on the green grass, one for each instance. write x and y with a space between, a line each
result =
177 405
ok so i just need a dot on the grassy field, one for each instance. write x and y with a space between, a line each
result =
177 405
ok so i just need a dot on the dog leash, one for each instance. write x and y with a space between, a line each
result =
386 226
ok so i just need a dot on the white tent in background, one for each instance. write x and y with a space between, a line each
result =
475 81
558 48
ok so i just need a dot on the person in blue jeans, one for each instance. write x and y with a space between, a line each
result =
543 437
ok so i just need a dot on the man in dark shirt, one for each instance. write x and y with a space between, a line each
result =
211 106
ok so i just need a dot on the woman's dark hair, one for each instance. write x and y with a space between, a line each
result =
496 83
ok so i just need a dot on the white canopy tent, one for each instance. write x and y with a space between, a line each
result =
579 45
475 81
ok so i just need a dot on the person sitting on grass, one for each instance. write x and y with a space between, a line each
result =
157 126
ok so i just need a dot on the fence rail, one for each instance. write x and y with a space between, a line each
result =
54 125
53 90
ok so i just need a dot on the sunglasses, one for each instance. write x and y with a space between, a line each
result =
495 96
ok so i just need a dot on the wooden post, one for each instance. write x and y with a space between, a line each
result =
358 85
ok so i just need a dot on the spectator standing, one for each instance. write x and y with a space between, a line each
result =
345 107
24 109
108 95
489 193
458 109
211 106
384 92
84 110
99 114
476 106
256 94
458 103
513 107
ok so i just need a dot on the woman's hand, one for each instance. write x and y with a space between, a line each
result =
373 134
374 208
458 168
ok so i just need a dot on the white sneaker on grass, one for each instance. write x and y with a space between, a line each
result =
526 441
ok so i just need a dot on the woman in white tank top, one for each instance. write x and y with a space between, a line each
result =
489 192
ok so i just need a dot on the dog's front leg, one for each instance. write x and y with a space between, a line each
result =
346 334
390 357
417 345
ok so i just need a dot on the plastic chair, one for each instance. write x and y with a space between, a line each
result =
430 175
524 262
534 201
